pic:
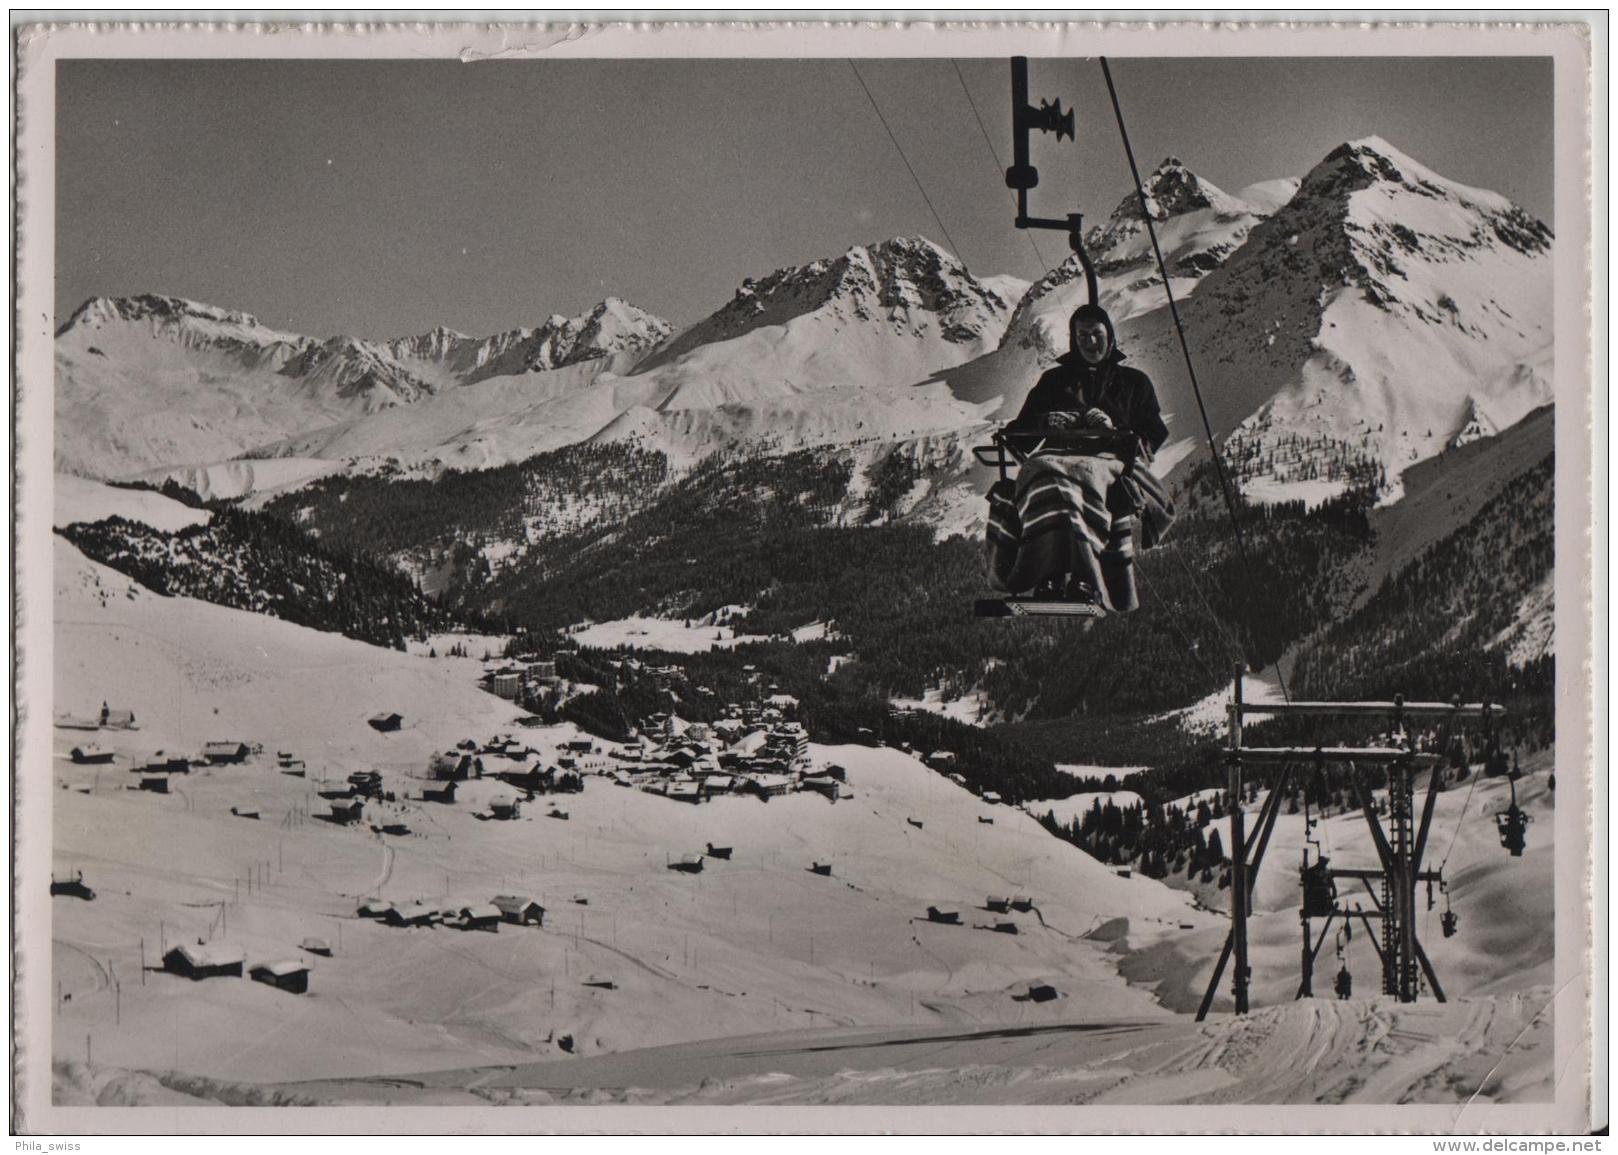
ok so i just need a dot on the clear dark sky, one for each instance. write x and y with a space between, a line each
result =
380 198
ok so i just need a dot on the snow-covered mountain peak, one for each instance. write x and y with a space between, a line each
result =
1198 227
908 286
168 316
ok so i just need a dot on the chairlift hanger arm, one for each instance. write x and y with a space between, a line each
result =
1022 175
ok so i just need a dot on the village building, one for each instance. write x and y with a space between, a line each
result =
998 905
161 763
446 794
225 753
454 766
345 812
505 809
71 884
771 785
385 722
991 797
686 791
718 784
822 784
416 914
520 909
205 961
117 719
481 916
1022 902
155 783
317 946
91 755
376 908
287 975
689 863
505 684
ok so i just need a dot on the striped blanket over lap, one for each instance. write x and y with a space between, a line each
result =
1073 517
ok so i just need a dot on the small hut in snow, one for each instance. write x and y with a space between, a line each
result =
71 884
482 916
205 961
225 753
385 722
287 975
520 909
90 754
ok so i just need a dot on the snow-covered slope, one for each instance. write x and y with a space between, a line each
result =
755 943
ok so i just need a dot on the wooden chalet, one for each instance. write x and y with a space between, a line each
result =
155 783
482 916
349 811
600 982
505 809
317 946
689 863
416 914
953 917
998 905
225 753
205 961
71 884
161 763
520 909
821 868
822 784
287 975
719 852
1004 928
90 754
375 908
385 722
445 794
117 719
1021 902
1042 992
991 797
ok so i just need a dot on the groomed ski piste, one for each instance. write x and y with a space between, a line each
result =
754 981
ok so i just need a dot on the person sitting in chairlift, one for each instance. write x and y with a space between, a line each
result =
1065 527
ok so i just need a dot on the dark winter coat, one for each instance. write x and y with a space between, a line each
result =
1072 386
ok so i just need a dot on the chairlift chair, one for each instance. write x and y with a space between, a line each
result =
1008 448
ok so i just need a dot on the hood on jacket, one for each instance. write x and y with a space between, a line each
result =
1089 312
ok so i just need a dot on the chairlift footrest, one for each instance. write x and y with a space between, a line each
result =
1016 607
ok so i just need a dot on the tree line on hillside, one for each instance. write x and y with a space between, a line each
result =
254 561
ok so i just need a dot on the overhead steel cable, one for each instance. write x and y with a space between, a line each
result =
1185 351
953 247
1039 256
